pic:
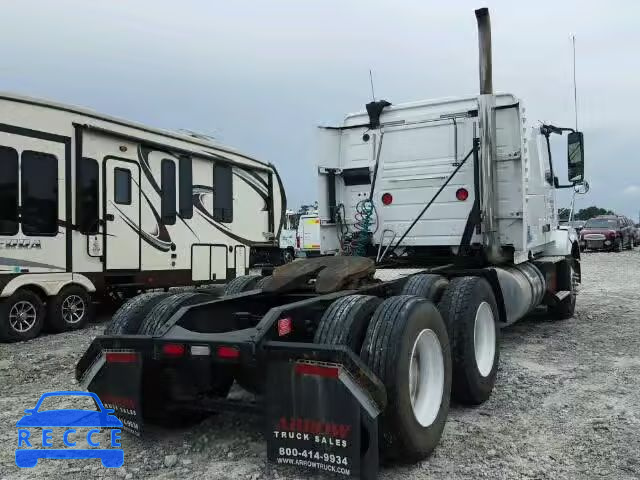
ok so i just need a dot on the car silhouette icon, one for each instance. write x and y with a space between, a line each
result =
70 419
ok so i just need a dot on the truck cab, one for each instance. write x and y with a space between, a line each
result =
406 156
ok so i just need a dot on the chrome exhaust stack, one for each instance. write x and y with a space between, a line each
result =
484 44
487 121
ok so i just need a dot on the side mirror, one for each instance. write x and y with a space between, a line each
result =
575 149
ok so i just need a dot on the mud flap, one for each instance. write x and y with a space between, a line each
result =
116 376
319 418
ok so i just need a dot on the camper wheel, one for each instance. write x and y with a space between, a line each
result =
70 309
21 316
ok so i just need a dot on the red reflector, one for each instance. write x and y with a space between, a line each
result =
228 352
173 349
284 326
462 194
121 357
387 198
317 370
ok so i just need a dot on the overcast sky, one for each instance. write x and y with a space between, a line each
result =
260 75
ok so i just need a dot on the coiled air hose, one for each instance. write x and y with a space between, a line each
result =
363 217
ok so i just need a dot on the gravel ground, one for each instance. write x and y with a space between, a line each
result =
566 404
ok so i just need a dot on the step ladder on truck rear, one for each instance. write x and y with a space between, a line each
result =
444 214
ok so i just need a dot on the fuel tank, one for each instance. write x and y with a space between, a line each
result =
523 287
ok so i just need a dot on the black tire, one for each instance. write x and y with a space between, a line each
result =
215 291
288 255
262 281
567 307
459 306
426 285
11 328
157 396
617 246
70 309
387 350
252 380
346 320
241 284
129 317
155 320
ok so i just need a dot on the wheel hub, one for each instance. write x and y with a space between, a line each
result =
426 377
22 316
73 309
484 339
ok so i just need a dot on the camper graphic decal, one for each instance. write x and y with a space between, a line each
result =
159 237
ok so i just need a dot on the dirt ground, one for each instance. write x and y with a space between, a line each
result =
566 404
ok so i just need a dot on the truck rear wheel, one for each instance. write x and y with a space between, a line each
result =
471 312
407 347
426 285
241 284
70 309
21 316
129 317
345 321
156 322
157 317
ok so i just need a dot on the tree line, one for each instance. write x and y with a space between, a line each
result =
584 213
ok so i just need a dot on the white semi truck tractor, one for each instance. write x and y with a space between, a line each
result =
444 216
463 183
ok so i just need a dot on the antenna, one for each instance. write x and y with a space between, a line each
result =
373 93
575 90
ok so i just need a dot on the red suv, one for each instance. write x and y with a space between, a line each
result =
608 232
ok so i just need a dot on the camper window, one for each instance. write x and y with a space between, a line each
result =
87 196
186 188
168 188
223 193
122 186
39 186
8 191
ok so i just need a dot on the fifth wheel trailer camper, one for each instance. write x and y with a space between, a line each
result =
92 205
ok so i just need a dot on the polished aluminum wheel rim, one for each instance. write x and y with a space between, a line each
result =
23 316
73 309
426 377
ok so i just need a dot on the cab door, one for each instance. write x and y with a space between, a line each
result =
122 214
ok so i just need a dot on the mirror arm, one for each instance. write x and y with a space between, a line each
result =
545 129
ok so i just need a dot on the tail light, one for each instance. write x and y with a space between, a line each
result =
121 357
228 352
173 350
387 198
462 194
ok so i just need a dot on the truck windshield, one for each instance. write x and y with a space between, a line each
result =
601 223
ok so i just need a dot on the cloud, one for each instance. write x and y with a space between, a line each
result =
263 74
632 190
